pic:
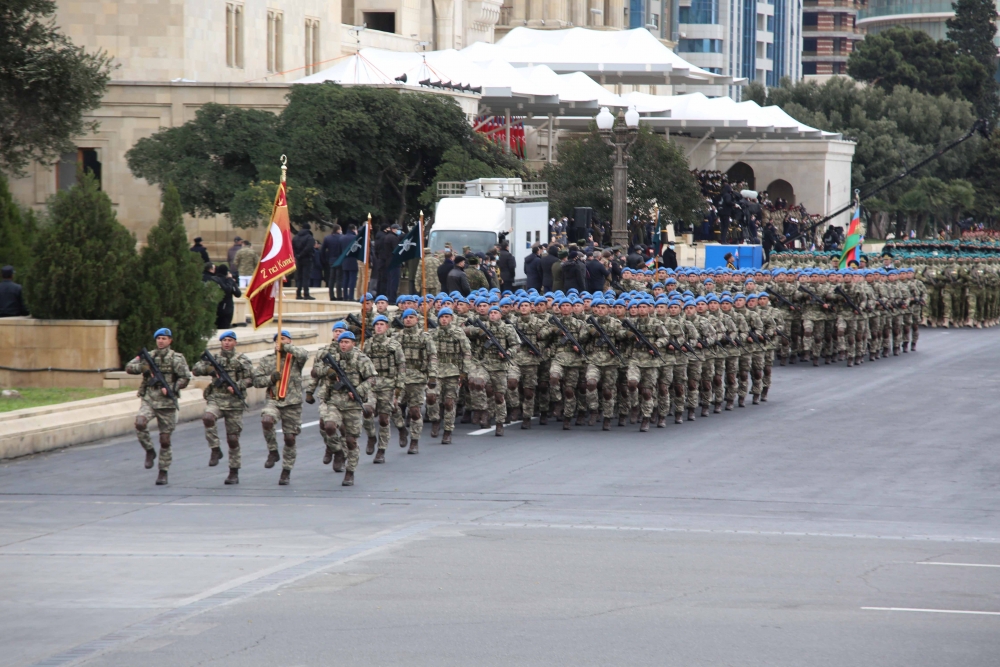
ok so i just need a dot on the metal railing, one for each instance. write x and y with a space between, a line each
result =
493 188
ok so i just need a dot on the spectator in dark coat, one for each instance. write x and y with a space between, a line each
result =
385 246
330 252
224 311
574 272
635 259
302 246
507 266
231 254
552 257
597 273
318 273
670 257
350 266
11 295
200 249
533 269
446 266
457 281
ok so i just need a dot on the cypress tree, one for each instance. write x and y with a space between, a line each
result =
83 259
15 232
973 29
168 290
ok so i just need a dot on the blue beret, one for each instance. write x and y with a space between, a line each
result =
163 331
347 335
445 311
496 308
381 297
506 301
366 297
284 333
380 318
408 312
342 324
727 299
225 334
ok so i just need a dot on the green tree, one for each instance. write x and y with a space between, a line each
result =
658 174
16 231
83 258
46 85
984 175
973 29
479 159
167 290
902 56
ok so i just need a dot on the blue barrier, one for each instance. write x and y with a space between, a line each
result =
744 256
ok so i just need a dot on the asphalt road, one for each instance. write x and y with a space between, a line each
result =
851 520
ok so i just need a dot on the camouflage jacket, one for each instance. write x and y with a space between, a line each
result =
359 370
565 354
453 349
240 370
175 371
421 355
267 375
534 329
386 355
655 331
483 349
597 350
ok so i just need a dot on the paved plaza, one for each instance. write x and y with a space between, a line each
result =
854 519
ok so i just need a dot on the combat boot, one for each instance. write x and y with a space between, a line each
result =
842 356
729 404
661 422
161 479
566 425
446 438
557 412
580 416
633 415
348 478
338 461
906 347
414 449
328 455
718 408
404 436
606 426
370 447
678 417
763 394
484 419
272 457
644 426
467 417
782 361
543 418
756 399
850 362
826 360
593 418
793 358
215 457
526 423
913 346
150 457
499 430
622 420
513 415
234 476
690 414
435 429
286 477
379 456
742 402
815 361
704 411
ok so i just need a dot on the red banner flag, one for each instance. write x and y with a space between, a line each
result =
277 260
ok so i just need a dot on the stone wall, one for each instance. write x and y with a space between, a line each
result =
75 345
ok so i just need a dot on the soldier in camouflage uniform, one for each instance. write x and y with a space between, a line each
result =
522 379
603 364
647 361
339 408
488 378
221 402
389 361
454 358
333 444
419 379
155 402
570 362
714 365
477 279
699 382
286 405
774 322
756 337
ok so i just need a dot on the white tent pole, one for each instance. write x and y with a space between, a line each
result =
700 142
506 123
552 123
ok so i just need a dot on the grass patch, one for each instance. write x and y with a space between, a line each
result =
33 397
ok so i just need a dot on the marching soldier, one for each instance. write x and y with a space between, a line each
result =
419 379
284 400
454 358
389 361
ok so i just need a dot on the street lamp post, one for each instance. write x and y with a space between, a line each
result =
621 133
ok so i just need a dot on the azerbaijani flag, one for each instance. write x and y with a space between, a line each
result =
277 261
852 244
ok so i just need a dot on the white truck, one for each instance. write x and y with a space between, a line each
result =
478 214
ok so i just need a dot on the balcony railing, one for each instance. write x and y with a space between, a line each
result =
838 29
832 4
893 7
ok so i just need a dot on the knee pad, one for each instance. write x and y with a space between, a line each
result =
140 423
512 383
414 412
717 381
647 393
767 372
267 421
232 440
489 391
706 385
632 384
568 392
383 420
329 427
289 440
449 403
165 440
743 376
208 419
606 393
678 388
499 398
351 442
591 385
692 385
757 375
529 394
731 378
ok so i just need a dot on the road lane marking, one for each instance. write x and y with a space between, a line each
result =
934 611
924 562
484 431
306 425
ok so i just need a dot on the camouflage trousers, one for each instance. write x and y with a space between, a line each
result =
813 336
348 422
712 371
731 373
409 415
694 370
385 409
680 377
290 417
443 410
768 366
488 391
542 393
850 336
602 385
564 380
166 422
234 426
628 388
839 332
665 389
524 377
649 381
897 331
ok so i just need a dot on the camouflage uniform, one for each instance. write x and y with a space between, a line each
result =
757 351
421 369
701 371
603 365
288 409
648 365
387 357
488 375
454 358
568 365
175 371
219 402
522 379
335 443
341 412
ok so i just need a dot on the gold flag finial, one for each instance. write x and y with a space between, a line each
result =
284 167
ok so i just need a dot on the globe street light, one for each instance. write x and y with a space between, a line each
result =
620 132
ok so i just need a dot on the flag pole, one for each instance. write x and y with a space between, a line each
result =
423 269
281 281
364 284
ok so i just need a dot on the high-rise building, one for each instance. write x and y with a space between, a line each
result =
926 15
829 31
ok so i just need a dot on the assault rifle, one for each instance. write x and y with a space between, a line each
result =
814 297
642 339
353 319
791 306
158 379
568 335
224 377
527 341
604 336
839 290
491 339
343 380
684 347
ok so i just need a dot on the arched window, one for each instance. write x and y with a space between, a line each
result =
741 172
781 189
